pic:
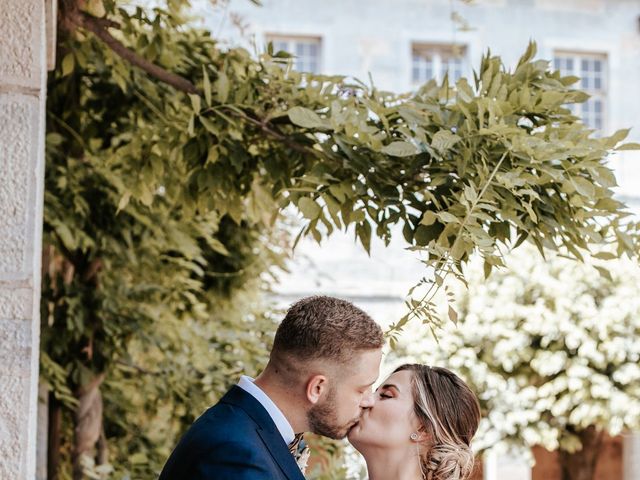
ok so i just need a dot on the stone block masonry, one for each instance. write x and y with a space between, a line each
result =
23 67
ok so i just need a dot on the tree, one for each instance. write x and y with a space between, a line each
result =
170 162
137 307
551 349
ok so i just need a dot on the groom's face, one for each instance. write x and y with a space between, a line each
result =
349 395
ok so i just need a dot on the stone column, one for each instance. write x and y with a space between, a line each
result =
631 456
501 467
23 69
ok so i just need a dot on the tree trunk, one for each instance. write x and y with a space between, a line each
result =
102 456
53 447
88 419
581 465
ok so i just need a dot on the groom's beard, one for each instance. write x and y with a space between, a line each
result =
323 419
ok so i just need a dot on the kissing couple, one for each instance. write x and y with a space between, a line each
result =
418 424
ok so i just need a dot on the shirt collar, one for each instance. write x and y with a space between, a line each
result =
284 427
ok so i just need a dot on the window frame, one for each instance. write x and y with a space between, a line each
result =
595 94
291 42
441 54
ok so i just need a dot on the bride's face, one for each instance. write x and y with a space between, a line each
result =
392 419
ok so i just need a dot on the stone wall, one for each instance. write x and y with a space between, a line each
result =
22 106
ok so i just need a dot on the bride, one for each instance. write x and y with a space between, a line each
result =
420 426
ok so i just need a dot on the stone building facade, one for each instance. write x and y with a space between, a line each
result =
25 26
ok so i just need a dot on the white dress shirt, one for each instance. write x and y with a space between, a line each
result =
284 427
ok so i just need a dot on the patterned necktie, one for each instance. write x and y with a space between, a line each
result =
297 446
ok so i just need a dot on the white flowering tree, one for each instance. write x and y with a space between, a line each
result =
553 350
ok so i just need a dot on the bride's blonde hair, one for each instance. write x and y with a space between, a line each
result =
449 413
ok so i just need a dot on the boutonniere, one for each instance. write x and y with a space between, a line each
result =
300 452
303 459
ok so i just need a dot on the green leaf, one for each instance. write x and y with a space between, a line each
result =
222 87
195 102
453 315
428 218
138 458
531 212
525 97
364 232
206 85
191 126
124 201
400 149
608 204
309 208
551 98
605 255
65 235
617 137
487 267
212 156
55 139
447 217
218 246
605 177
443 140
584 186
68 63
209 125
306 118
424 234
458 249
604 272
470 193
628 146
528 55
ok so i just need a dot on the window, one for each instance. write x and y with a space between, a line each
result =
434 61
306 51
592 72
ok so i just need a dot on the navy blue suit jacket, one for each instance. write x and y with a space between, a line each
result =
236 439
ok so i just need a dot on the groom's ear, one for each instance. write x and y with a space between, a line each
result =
317 386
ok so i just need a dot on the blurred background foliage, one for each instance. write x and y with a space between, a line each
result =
551 348
148 298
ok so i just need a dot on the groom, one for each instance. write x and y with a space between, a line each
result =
325 358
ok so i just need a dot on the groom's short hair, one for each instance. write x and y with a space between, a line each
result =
322 327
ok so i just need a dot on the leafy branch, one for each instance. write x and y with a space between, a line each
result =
99 27
425 304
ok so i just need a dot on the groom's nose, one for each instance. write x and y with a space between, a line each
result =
368 399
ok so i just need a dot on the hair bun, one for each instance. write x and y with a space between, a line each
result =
450 462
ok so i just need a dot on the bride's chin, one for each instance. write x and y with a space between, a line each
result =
355 434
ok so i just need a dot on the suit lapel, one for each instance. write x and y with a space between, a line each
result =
279 451
267 430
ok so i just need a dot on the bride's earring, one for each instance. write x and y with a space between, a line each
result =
413 436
